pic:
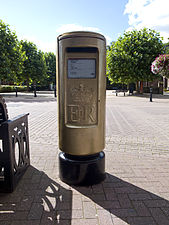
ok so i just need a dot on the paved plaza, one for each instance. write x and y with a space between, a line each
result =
136 190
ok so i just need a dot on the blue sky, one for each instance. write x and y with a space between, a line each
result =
41 21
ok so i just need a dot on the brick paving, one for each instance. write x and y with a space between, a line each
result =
136 189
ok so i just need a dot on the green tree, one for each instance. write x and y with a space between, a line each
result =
51 68
34 66
129 58
11 56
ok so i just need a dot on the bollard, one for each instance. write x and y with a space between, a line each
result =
35 95
16 89
151 93
55 91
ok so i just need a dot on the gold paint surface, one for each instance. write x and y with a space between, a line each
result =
81 105
81 100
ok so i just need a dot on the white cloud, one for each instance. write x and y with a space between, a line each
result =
45 46
50 46
149 13
75 27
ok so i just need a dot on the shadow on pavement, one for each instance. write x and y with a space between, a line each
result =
30 100
37 200
160 96
144 95
129 203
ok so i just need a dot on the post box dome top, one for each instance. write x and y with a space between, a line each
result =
81 34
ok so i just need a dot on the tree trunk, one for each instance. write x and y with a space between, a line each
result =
141 87
137 87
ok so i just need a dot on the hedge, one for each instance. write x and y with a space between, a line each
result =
11 88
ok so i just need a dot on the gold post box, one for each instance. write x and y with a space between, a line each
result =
81 86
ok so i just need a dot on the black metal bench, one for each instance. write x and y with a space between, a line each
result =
14 148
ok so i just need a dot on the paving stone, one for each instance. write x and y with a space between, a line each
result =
77 202
124 200
159 216
35 212
120 221
108 205
63 214
123 212
141 209
55 217
142 221
89 210
135 190
166 211
142 196
25 203
5 222
156 203
55 222
85 221
104 217
25 222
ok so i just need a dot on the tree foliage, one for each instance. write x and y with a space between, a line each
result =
129 58
21 61
34 65
50 59
11 56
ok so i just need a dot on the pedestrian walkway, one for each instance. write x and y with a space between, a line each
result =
136 189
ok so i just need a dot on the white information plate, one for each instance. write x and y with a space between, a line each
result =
81 68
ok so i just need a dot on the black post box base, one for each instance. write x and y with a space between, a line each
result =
82 170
